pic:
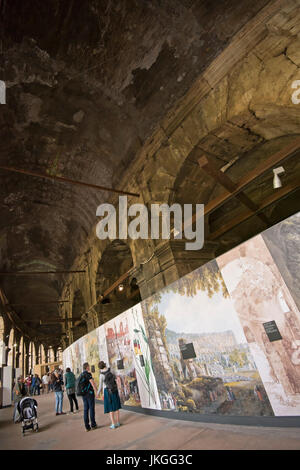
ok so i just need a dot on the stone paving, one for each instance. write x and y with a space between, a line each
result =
138 431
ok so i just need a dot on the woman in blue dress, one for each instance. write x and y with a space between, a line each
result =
112 403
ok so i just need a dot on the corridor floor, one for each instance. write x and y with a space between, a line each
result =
138 431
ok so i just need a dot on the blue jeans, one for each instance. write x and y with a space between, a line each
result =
89 408
59 396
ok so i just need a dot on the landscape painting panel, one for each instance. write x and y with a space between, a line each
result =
102 348
78 355
260 295
67 359
201 359
103 355
121 360
283 242
142 360
92 354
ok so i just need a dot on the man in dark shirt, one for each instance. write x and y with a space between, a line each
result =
89 398
57 382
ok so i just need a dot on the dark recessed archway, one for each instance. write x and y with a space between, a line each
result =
116 261
78 309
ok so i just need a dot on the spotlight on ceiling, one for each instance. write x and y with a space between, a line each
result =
276 180
120 287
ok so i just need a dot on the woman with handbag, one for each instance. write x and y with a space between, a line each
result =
70 389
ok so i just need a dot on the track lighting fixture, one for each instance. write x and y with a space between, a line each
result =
276 180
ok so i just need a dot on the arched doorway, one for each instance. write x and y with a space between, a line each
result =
11 349
21 355
116 261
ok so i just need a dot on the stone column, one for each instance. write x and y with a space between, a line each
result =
26 356
36 353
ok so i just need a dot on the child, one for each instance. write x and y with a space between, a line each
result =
112 402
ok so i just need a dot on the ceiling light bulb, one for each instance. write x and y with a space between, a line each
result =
120 287
276 180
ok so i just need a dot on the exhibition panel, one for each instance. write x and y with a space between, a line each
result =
223 340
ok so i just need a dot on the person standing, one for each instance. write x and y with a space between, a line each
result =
51 388
88 391
112 403
57 383
33 381
28 384
19 392
70 389
37 384
31 384
45 381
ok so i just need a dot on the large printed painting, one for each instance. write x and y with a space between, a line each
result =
200 356
142 360
203 344
92 356
75 356
121 358
260 296
283 242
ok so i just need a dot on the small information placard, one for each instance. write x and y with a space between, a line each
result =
272 331
187 351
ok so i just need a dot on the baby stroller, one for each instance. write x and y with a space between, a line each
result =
28 414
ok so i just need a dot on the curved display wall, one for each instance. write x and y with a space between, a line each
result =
222 340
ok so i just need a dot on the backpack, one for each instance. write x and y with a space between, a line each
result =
110 381
82 385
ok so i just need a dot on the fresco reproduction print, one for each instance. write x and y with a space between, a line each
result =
260 295
121 360
92 354
142 360
283 242
201 359
103 355
200 345
78 355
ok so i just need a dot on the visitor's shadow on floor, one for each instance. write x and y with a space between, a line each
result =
45 427
6 422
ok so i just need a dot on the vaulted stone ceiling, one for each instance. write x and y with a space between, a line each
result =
87 83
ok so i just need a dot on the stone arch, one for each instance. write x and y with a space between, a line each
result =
50 354
2 341
21 355
43 354
243 108
116 260
59 354
31 356
78 309
11 348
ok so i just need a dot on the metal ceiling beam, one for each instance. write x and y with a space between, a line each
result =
211 169
276 196
52 321
109 290
67 180
291 150
29 273
40 303
18 323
